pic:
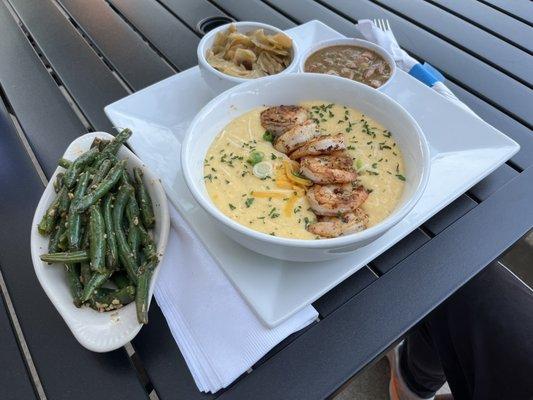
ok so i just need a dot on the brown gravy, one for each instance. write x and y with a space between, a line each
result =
352 62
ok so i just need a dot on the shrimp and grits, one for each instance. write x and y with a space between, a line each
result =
308 171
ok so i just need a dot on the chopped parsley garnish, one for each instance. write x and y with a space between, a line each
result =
249 201
400 177
231 206
273 213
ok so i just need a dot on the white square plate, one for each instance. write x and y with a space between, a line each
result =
464 149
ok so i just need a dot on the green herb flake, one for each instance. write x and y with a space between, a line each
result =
249 201
268 136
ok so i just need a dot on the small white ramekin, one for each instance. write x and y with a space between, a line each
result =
350 42
219 81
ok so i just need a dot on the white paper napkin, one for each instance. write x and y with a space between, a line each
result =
218 334
403 60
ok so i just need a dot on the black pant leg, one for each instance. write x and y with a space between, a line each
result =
483 336
420 363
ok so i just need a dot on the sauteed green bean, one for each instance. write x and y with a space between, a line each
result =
98 226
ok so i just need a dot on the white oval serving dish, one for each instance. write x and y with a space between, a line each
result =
293 89
96 331
219 81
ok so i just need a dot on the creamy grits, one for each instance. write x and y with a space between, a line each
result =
261 204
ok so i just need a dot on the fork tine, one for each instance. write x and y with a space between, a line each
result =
375 21
388 25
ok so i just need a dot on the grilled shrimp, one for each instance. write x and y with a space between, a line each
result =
333 168
332 200
296 137
280 119
335 226
325 144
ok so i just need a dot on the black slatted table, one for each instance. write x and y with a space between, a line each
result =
62 61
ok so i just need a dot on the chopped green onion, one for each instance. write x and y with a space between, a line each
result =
263 169
268 136
256 157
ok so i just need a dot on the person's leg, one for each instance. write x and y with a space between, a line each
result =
482 337
420 364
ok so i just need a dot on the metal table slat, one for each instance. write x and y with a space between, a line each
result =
163 361
497 23
450 214
303 11
496 52
520 9
176 42
255 10
473 73
84 74
322 359
493 182
192 11
344 291
66 370
14 378
502 122
405 247
122 47
42 110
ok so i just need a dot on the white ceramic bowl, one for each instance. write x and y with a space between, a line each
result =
218 81
293 89
96 331
350 42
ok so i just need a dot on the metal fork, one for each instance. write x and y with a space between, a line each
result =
384 25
